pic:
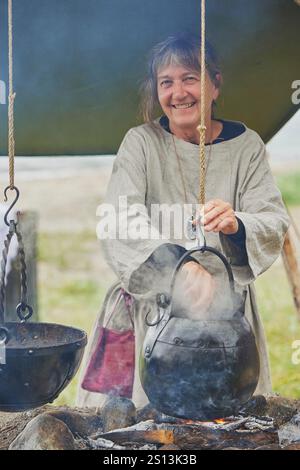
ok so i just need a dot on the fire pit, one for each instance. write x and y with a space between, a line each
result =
265 423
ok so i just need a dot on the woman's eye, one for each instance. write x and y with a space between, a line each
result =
165 83
190 79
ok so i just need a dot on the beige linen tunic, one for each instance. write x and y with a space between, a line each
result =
147 171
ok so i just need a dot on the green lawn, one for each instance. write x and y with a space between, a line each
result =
289 184
70 289
282 327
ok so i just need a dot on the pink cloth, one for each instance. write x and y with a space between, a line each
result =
111 368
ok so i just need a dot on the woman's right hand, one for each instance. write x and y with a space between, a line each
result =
194 288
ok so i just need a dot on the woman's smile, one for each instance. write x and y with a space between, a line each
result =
184 105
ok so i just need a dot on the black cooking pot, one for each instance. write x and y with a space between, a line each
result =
40 361
37 360
199 369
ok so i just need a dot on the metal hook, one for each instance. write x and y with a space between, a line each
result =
200 235
195 231
12 204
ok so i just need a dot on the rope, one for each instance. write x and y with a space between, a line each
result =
11 98
202 128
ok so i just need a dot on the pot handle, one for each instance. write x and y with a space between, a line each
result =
167 300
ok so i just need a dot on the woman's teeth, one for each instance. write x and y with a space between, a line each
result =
183 106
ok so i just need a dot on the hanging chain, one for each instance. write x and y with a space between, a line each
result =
202 127
22 307
3 271
11 99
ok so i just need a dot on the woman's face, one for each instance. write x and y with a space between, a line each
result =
178 90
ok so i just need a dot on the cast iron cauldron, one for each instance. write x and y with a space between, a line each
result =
199 369
41 359
37 360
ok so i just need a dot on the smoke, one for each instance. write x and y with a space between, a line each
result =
215 301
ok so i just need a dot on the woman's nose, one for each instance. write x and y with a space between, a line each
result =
179 91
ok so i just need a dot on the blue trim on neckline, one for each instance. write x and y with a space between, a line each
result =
231 129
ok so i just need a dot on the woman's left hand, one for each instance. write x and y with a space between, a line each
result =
220 217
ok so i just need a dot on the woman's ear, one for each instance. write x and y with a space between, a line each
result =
217 85
218 80
216 93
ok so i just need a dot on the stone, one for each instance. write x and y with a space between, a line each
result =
148 412
117 413
44 432
281 409
290 433
257 405
82 424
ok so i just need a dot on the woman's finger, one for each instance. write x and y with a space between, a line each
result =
228 226
213 224
215 212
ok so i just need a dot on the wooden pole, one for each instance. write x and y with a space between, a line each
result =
291 266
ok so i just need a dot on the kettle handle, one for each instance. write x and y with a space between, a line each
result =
181 261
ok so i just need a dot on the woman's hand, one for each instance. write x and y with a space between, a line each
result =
194 288
219 217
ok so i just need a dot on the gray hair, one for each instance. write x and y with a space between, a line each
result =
180 49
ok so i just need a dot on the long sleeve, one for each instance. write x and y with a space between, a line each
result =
125 230
263 214
156 272
239 241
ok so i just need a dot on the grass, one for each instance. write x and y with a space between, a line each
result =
282 328
289 184
70 289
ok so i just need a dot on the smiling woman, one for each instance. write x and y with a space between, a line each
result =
179 96
173 82
158 163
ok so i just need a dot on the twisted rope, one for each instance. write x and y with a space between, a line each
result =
11 99
202 127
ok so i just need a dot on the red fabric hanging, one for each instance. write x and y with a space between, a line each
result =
111 368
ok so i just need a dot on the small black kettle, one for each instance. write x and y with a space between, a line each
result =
199 369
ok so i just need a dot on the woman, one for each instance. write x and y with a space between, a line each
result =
158 163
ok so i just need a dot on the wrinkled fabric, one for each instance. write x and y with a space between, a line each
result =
146 171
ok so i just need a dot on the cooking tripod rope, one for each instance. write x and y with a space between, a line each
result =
11 99
202 127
